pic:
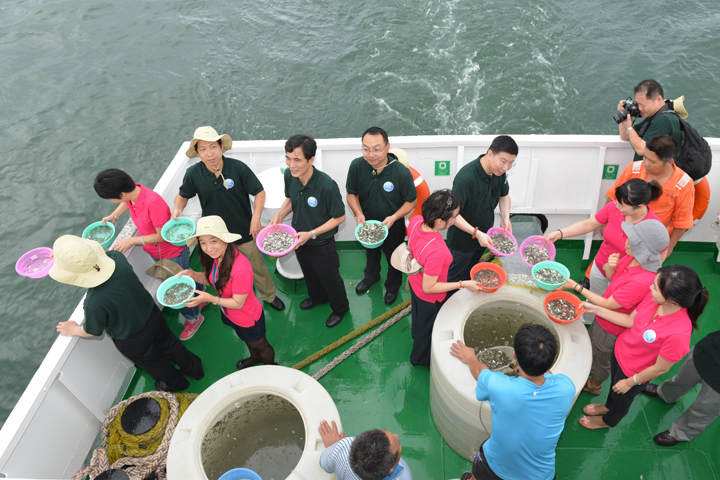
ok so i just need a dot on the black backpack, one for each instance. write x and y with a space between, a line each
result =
696 153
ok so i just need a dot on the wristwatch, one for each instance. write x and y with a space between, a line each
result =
218 301
313 232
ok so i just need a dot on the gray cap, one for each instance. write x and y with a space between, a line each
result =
647 239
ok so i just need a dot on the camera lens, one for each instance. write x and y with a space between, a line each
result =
620 116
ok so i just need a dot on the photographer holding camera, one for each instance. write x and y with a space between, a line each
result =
649 104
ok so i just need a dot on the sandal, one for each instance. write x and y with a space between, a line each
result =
593 391
590 409
244 363
585 422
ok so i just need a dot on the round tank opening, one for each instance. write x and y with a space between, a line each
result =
494 324
263 432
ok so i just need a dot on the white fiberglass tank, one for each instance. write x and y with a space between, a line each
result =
490 318
264 418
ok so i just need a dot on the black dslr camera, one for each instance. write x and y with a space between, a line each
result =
631 109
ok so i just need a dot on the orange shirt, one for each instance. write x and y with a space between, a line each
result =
674 208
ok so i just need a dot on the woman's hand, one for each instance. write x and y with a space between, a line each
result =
553 236
623 386
590 307
202 297
110 218
568 285
123 245
613 260
473 286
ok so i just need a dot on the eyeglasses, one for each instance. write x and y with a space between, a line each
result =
509 165
374 151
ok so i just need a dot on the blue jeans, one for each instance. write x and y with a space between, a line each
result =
190 313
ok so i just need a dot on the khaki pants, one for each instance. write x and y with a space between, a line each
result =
261 274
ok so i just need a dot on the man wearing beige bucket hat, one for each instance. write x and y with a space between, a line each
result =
118 304
223 186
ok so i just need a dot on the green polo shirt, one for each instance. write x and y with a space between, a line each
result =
315 203
120 305
231 204
664 124
381 194
480 194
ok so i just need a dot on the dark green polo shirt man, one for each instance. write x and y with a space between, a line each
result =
314 204
381 194
663 124
480 193
232 204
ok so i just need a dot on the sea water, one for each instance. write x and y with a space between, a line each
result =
264 433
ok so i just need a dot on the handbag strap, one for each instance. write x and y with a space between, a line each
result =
423 249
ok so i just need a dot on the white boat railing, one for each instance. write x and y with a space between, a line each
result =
60 413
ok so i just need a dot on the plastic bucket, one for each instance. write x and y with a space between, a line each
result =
36 263
94 225
490 266
240 474
577 303
502 231
371 245
553 266
538 240
171 282
281 227
171 223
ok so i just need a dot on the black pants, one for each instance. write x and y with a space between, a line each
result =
320 265
619 404
154 348
396 235
481 470
423 319
461 265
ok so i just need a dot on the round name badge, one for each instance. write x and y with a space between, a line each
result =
388 186
312 201
229 183
649 336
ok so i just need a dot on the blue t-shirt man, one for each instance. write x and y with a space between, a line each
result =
527 421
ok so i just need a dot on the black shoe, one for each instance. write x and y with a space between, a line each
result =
334 319
651 390
164 387
242 363
390 298
198 373
585 282
664 439
277 304
363 286
308 303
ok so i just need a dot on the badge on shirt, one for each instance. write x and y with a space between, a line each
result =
229 183
312 201
388 186
649 336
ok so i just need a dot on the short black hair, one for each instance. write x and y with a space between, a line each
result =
664 146
439 206
376 131
370 456
535 349
650 87
504 143
219 142
112 183
636 192
309 147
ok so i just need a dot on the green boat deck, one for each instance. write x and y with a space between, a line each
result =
378 388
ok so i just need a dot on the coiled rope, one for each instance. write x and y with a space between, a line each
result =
396 312
137 455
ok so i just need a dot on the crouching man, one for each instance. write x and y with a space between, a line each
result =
118 304
528 411
372 455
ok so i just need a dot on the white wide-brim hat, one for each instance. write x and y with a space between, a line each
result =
80 262
215 226
208 134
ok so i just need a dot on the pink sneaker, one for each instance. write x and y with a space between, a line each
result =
190 328
202 305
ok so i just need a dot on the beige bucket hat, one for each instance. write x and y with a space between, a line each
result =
401 155
80 262
215 226
208 134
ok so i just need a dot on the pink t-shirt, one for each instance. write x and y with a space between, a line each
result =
148 213
629 286
240 283
614 237
668 336
435 259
